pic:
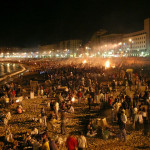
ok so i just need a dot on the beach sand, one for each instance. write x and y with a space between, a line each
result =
21 123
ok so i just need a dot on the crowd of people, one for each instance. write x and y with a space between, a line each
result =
67 83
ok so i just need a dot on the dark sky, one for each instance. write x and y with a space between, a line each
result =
30 23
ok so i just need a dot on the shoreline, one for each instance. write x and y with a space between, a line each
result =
13 73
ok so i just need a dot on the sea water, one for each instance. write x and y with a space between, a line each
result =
8 68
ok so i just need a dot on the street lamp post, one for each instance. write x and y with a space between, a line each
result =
130 40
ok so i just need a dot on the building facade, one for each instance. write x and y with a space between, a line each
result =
131 44
67 48
134 44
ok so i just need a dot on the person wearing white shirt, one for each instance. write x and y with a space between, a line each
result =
56 109
82 142
71 110
122 125
145 122
35 131
135 111
124 118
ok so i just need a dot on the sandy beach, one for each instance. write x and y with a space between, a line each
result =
22 123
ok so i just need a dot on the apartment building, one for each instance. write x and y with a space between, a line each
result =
131 44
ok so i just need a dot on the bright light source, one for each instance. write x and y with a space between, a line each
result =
84 61
17 100
87 54
107 64
73 99
130 40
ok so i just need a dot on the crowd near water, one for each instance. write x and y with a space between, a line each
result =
66 85
7 68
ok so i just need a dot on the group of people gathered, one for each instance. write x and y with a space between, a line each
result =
87 85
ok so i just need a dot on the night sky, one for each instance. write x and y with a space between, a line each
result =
29 23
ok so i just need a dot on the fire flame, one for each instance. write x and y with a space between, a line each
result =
107 64
84 62
73 99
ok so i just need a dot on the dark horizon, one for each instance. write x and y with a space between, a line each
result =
29 24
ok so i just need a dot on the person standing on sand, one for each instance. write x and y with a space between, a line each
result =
71 142
45 145
52 144
79 97
89 102
56 108
82 142
63 125
122 125
42 91
145 122
43 115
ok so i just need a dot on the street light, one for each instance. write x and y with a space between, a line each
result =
120 43
130 40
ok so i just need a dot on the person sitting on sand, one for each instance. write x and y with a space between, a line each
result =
8 116
35 131
15 145
9 136
20 109
28 140
52 119
106 133
90 130
71 109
